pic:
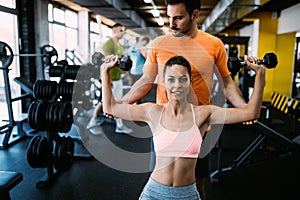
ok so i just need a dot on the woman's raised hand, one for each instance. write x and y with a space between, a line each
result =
110 62
252 63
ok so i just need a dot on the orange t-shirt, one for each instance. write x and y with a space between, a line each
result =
204 52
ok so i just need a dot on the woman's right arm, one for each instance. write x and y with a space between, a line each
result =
110 106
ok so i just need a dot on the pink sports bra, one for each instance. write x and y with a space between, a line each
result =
177 144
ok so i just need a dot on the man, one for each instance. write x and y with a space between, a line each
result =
205 53
112 46
138 56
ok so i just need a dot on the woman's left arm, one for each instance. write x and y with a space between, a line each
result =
252 110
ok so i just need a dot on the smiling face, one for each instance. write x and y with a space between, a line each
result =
177 82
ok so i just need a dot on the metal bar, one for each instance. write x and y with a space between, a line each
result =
245 154
263 129
20 97
244 5
29 55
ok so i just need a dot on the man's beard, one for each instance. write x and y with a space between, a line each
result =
177 33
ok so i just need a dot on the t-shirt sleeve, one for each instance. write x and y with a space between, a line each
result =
107 47
150 66
221 59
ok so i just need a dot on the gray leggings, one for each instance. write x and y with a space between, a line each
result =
156 191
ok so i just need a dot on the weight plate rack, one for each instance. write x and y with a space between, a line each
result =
52 112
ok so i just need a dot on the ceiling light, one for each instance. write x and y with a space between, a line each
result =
155 12
147 1
160 21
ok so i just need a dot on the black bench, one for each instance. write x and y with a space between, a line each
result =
8 180
286 105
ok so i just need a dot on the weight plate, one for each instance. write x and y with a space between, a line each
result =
40 115
67 153
31 152
6 55
43 152
29 117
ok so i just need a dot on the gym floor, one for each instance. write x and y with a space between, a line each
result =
268 173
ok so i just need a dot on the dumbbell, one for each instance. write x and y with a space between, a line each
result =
270 60
125 63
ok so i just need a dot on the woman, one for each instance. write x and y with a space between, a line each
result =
178 126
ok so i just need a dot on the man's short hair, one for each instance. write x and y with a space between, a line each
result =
117 25
190 5
147 39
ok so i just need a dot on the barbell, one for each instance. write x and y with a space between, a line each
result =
7 55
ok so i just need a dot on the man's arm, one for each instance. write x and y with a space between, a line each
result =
233 93
139 89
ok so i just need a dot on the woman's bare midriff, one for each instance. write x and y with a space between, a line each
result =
174 172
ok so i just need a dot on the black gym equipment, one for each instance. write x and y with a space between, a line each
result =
49 54
52 113
71 56
291 147
8 180
270 60
97 58
8 135
243 41
64 153
125 63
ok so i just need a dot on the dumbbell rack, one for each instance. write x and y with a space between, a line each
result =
52 112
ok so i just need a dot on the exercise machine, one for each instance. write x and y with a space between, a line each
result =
13 131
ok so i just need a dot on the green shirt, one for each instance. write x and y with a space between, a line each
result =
112 48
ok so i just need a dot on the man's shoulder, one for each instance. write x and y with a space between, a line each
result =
109 41
204 36
160 39
208 35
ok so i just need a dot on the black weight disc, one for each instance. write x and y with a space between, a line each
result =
31 159
31 116
67 153
57 157
43 152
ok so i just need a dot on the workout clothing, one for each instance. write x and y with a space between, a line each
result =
204 52
138 61
157 191
112 48
177 143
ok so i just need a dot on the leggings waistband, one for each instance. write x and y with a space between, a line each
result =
160 191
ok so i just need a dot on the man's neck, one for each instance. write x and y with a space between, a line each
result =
116 40
194 32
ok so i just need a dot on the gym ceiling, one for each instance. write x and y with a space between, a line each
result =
216 15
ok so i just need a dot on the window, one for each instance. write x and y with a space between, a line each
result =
63 28
9 35
8 3
98 35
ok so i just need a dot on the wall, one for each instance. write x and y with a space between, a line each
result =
289 20
280 78
284 71
41 31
